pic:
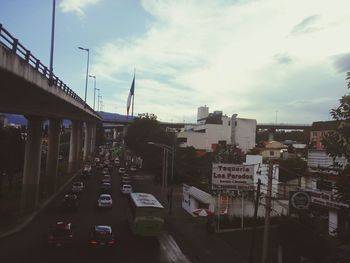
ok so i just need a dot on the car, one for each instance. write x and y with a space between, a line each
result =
133 168
106 180
121 170
70 201
78 187
126 189
61 234
105 201
102 235
97 160
105 170
126 180
105 188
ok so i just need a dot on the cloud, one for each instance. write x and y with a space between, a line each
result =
76 6
342 62
307 25
222 54
283 59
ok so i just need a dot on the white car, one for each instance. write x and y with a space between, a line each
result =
133 168
105 201
126 189
121 170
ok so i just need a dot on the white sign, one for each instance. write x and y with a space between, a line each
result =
232 176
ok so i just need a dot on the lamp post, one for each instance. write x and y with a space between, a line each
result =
52 41
94 77
99 98
167 149
87 70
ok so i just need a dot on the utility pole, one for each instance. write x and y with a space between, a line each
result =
267 214
256 206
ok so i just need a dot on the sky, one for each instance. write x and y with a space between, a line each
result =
270 60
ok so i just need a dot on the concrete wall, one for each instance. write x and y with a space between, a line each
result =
243 133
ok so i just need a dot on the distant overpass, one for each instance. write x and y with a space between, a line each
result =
283 126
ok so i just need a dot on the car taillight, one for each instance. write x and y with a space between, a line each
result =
93 242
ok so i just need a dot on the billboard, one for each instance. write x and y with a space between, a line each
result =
232 177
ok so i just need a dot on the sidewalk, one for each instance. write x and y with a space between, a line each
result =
191 235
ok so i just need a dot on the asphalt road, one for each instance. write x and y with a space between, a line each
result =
29 245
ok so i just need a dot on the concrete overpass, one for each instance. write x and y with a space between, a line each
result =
28 88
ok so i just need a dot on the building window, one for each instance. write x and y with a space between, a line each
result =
272 153
229 123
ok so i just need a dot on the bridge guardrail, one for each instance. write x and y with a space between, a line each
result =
12 44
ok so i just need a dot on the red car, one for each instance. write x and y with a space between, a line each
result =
61 234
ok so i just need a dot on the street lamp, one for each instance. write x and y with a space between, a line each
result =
98 99
87 70
168 149
52 42
94 77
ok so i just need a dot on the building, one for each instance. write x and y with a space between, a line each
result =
272 150
215 128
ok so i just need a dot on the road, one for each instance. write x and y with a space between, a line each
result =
29 245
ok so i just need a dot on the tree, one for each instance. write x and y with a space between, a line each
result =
144 129
337 143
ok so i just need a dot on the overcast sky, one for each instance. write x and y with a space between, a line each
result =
257 58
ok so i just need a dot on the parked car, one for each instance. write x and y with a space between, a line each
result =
102 235
78 187
126 189
105 201
61 234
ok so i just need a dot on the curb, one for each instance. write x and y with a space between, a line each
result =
32 216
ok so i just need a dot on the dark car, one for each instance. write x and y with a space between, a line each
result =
70 201
61 234
102 235
105 188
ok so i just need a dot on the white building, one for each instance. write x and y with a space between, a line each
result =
214 128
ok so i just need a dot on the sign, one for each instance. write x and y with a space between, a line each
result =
326 199
232 176
299 201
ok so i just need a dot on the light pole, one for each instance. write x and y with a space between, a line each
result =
94 77
167 149
52 42
99 98
87 70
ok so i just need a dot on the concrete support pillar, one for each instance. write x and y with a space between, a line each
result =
87 141
332 222
93 138
52 154
32 161
72 162
79 156
114 134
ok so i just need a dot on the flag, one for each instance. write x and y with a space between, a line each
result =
131 94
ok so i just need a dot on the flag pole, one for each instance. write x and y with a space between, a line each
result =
133 97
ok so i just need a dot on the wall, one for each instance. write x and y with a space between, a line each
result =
243 132
319 158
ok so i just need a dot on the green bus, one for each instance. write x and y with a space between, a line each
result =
147 215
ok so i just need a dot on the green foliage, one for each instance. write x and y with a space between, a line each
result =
291 168
337 143
146 129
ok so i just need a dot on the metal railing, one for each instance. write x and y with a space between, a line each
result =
12 44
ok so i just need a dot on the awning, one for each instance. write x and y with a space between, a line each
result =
200 195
